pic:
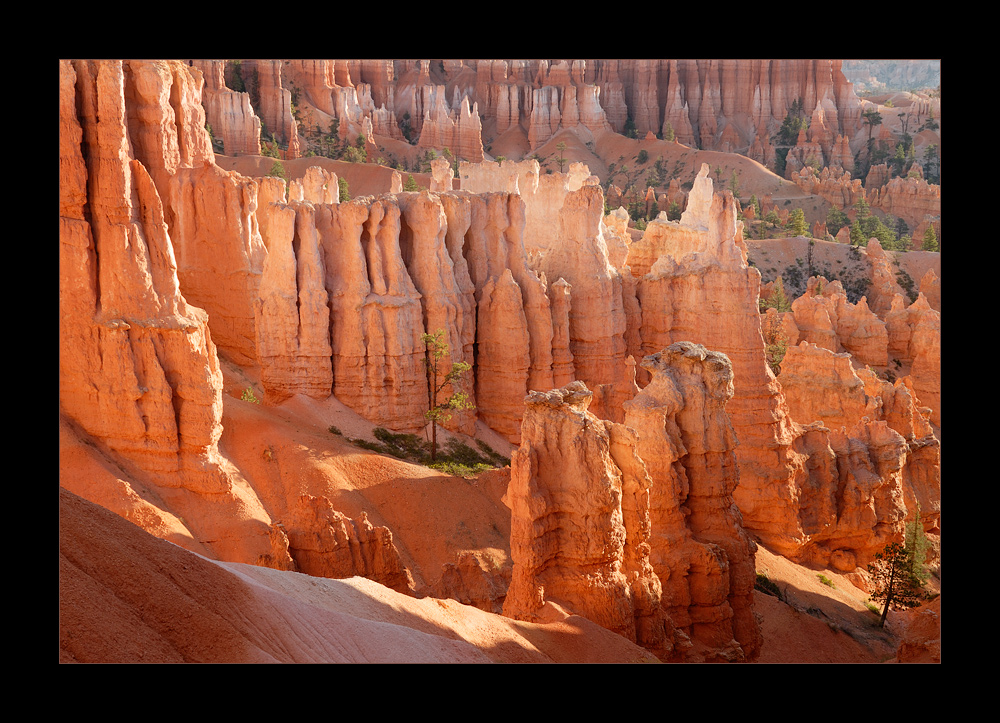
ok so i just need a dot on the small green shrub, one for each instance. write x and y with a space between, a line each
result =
455 458
365 444
249 396
495 457
826 581
457 469
404 446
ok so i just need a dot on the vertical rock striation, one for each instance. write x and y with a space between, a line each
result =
139 371
698 547
580 521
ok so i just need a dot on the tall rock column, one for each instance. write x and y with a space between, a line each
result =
139 373
211 213
702 290
579 523
597 319
503 361
139 368
293 319
432 270
275 105
699 549
375 314
229 112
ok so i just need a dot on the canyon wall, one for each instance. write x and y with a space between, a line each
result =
139 372
639 363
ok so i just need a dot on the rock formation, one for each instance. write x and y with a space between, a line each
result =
580 521
632 487
229 113
327 543
698 547
275 102
914 341
832 184
820 385
824 316
139 373
568 208
375 314
293 318
913 200
424 224
702 290
459 130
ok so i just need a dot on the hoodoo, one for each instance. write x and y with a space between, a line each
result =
694 313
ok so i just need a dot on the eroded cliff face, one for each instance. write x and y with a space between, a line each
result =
139 372
824 388
723 104
564 237
156 410
168 263
701 289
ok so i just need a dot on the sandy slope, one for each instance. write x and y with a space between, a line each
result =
128 597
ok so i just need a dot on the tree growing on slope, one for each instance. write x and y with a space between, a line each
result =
894 578
439 376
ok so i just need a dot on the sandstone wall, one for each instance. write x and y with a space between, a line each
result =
139 372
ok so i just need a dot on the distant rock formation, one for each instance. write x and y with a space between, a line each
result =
824 316
275 100
228 112
913 200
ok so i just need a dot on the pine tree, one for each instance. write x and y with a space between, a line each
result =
734 184
561 159
862 223
277 169
777 299
797 222
439 377
893 580
930 240
915 542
